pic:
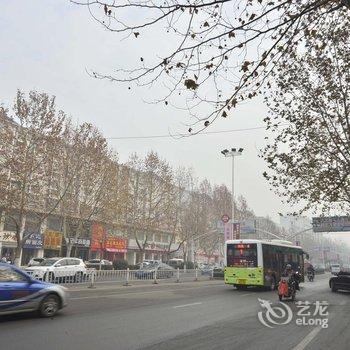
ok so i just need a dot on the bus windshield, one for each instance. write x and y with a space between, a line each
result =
242 255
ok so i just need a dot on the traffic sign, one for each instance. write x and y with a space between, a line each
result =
225 218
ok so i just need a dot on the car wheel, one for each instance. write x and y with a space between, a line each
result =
333 287
49 306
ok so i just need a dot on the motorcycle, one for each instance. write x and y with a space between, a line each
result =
286 288
310 276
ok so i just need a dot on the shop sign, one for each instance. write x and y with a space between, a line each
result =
79 241
33 241
116 244
8 237
52 240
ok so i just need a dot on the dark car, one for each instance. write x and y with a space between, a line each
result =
99 264
148 272
218 272
319 269
206 270
340 282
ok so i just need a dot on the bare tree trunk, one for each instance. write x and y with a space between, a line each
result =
20 242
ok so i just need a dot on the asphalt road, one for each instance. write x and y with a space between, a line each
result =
198 315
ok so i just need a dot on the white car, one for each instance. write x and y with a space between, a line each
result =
335 269
53 269
35 261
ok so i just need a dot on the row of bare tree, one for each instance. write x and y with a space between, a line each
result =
51 167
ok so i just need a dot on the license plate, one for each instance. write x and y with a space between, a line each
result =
240 281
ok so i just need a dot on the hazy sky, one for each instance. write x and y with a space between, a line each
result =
48 45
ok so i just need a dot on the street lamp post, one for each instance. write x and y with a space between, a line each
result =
232 153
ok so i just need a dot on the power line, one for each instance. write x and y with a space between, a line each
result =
183 135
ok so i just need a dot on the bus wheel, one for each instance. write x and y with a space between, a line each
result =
273 283
241 287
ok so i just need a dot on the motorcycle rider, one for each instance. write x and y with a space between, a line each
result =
289 272
310 270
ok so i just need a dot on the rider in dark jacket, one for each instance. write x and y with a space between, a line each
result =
310 269
289 272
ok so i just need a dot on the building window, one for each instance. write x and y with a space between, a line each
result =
140 236
54 223
165 238
11 222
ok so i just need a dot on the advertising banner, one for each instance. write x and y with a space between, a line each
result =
236 230
98 237
52 240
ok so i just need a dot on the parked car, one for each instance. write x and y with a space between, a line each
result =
319 269
206 270
148 272
340 282
99 264
176 263
35 261
218 272
53 269
21 293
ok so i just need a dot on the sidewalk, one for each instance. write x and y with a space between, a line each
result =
138 284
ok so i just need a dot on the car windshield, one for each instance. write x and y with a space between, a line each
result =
48 262
94 261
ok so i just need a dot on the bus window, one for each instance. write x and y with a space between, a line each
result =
242 255
270 258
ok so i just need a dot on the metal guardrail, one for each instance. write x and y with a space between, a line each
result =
91 277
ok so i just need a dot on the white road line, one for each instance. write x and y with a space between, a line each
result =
185 305
245 295
304 343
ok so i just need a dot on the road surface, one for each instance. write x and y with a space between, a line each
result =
198 315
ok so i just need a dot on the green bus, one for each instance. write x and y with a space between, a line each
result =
252 262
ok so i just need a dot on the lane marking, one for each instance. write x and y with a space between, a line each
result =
304 343
245 295
185 305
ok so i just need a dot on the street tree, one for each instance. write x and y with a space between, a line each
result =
308 153
215 52
28 138
93 182
176 210
151 180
